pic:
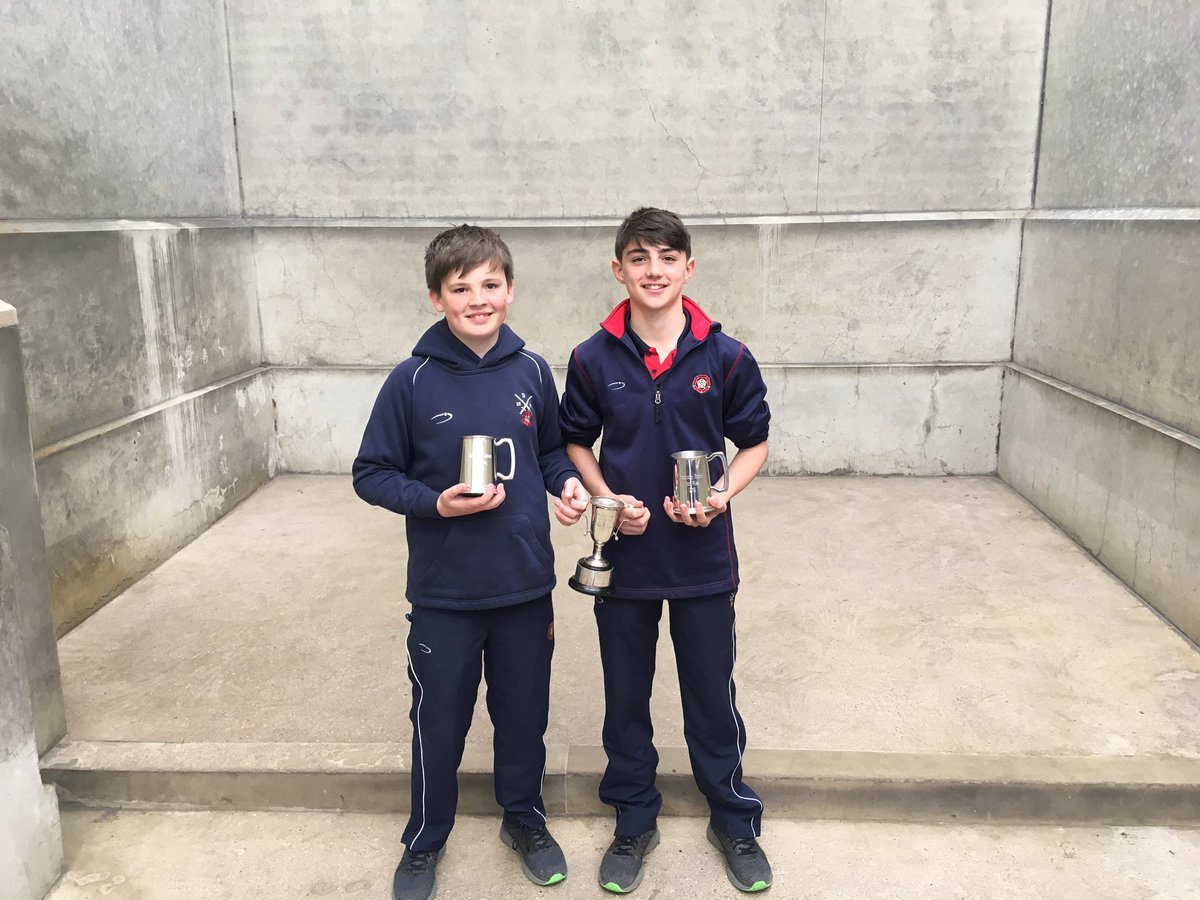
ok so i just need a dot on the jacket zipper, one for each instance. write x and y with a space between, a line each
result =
657 405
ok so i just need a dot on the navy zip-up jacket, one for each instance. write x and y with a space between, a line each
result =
411 451
712 391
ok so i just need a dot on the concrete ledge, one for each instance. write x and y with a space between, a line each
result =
1117 214
905 787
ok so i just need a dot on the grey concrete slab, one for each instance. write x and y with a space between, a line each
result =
913 292
118 109
903 292
1127 493
929 105
119 502
867 420
895 615
1111 308
320 415
809 784
883 420
31 626
31 712
115 322
1122 105
202 855
560 111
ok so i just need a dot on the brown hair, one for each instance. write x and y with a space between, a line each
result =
463 248
656 227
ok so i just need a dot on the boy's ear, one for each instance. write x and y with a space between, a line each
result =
689 269
435 297
617 272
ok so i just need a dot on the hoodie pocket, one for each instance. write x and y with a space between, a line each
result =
485 557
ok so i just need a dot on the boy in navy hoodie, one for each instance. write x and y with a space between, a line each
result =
480 569
659 377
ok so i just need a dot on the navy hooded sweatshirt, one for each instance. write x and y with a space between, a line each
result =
411 452
712 391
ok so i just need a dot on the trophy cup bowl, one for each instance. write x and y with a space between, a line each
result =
593 574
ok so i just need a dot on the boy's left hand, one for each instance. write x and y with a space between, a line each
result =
697 518
569 506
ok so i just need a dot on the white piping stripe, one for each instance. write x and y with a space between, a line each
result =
542 784
420 742
419 368
733 712
535 365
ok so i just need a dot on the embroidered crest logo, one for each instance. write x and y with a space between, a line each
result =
701 384
525 408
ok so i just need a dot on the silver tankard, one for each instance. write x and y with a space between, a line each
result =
478 468
693 481
593 574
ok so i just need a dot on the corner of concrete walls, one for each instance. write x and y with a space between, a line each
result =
1127 493
121 500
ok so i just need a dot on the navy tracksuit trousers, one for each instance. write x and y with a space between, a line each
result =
704 635
448 651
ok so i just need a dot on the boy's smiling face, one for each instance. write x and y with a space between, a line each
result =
654 276
475 305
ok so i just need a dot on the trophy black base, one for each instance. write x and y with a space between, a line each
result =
590 580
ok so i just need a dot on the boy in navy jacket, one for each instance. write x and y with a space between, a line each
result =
659 377
480 569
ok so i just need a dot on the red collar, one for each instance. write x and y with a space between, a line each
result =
701 323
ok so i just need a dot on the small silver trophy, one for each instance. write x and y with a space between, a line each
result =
693 482
593 574
477 467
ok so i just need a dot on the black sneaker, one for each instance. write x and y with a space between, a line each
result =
542 859
745 863
416 876
621 867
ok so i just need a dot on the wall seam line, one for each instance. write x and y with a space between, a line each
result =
237 149
1037 141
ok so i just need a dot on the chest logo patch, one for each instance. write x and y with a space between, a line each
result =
525 409
701 384
441 418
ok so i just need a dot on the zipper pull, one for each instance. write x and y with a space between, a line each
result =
657 405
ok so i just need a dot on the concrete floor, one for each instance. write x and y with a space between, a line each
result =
215 855
911 615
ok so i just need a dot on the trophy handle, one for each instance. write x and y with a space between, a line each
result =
512 459
724 471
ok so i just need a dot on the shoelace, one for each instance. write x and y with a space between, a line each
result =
624 846
415 862
537 839
745 846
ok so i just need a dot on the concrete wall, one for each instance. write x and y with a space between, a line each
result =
831 311
116 110
1122 112
30 628
31 716
1106 443
1102 429
569 110
1114 308
149 415
1129 494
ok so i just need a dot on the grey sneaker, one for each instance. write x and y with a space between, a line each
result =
621 867
542 859
745 863
416 876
